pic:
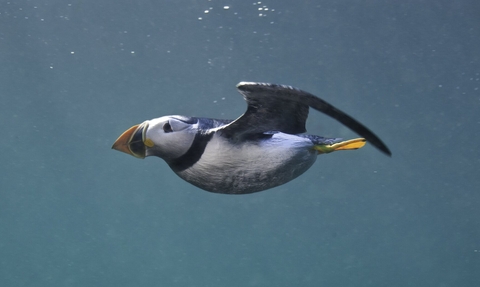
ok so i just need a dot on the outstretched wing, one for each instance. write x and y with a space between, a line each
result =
285 109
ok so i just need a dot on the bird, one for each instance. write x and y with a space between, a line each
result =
264 148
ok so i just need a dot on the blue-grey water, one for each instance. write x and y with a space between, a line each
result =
76 74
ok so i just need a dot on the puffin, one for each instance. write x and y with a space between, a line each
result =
265 147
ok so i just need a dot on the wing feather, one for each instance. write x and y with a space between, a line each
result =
285 109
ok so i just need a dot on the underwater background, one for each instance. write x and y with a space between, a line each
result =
75 74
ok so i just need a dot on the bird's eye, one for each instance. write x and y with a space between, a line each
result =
167 128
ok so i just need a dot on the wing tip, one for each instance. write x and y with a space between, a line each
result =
382 148
387 152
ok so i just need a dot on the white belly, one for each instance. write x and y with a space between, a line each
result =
250 167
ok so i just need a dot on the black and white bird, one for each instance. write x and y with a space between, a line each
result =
263 148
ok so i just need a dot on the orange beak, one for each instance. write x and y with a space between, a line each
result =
131 141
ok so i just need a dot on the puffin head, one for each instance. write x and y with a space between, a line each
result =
167 137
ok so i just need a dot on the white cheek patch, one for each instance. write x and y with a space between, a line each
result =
178 125
168 145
